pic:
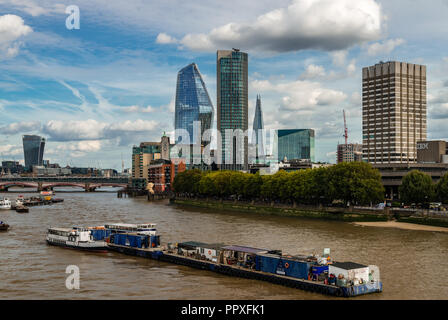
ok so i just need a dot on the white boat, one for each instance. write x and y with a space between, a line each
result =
19 202
141 228
5 204
75 238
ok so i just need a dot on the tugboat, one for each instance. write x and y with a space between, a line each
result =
22 209
4 226
5 204
75 238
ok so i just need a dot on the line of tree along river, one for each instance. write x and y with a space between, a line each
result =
355 183
418 187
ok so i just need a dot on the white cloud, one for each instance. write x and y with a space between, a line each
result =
339 57
164 38
32 8
304 24
20 127
384 47
94 130
12 28
138 109
313 72
80 148
301 95
10 150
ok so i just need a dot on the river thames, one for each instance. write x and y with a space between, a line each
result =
413 264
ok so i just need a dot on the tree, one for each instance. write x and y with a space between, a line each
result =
187 181
442 189
416 187
355 182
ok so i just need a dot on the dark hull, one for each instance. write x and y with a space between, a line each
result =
301 284
92 249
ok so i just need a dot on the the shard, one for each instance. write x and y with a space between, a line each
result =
258 131
192 103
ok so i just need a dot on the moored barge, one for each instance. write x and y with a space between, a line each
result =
309 273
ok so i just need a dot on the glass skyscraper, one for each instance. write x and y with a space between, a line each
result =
192 103
232 107
258 134
295 144
33 149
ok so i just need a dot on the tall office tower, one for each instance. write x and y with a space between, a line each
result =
33 149
351 152
232 108
258 134
393 111
192 103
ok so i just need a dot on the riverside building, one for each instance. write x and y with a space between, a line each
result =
232 108
294 144
393 111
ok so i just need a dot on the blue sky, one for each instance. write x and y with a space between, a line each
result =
96 91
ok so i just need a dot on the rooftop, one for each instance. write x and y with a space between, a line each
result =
348 265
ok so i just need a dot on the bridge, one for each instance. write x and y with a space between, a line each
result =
89 184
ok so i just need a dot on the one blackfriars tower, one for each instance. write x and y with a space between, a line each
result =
232 108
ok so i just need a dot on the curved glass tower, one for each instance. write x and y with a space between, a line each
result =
33 149
192 102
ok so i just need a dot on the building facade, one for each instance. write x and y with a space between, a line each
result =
294 144
432 151
232 108
161 174
33 149
350 152
192 103
394 111
142 157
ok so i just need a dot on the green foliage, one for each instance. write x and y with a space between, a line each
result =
442 189
187 181
357 183
416 187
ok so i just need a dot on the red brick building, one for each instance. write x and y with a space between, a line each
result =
162 172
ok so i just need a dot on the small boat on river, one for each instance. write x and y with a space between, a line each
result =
75 238
4 226
5 204
22 209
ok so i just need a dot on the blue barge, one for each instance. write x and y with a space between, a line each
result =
288 279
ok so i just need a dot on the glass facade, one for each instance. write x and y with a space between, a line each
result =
192 102
232 87
295 144
33 149
258 134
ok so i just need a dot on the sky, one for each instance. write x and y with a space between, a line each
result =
97 90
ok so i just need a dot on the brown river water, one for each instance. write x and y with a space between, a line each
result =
413 264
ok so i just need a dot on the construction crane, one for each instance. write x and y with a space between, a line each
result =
345 129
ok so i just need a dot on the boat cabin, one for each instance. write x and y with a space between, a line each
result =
144 228
202 250
241 256
350 271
